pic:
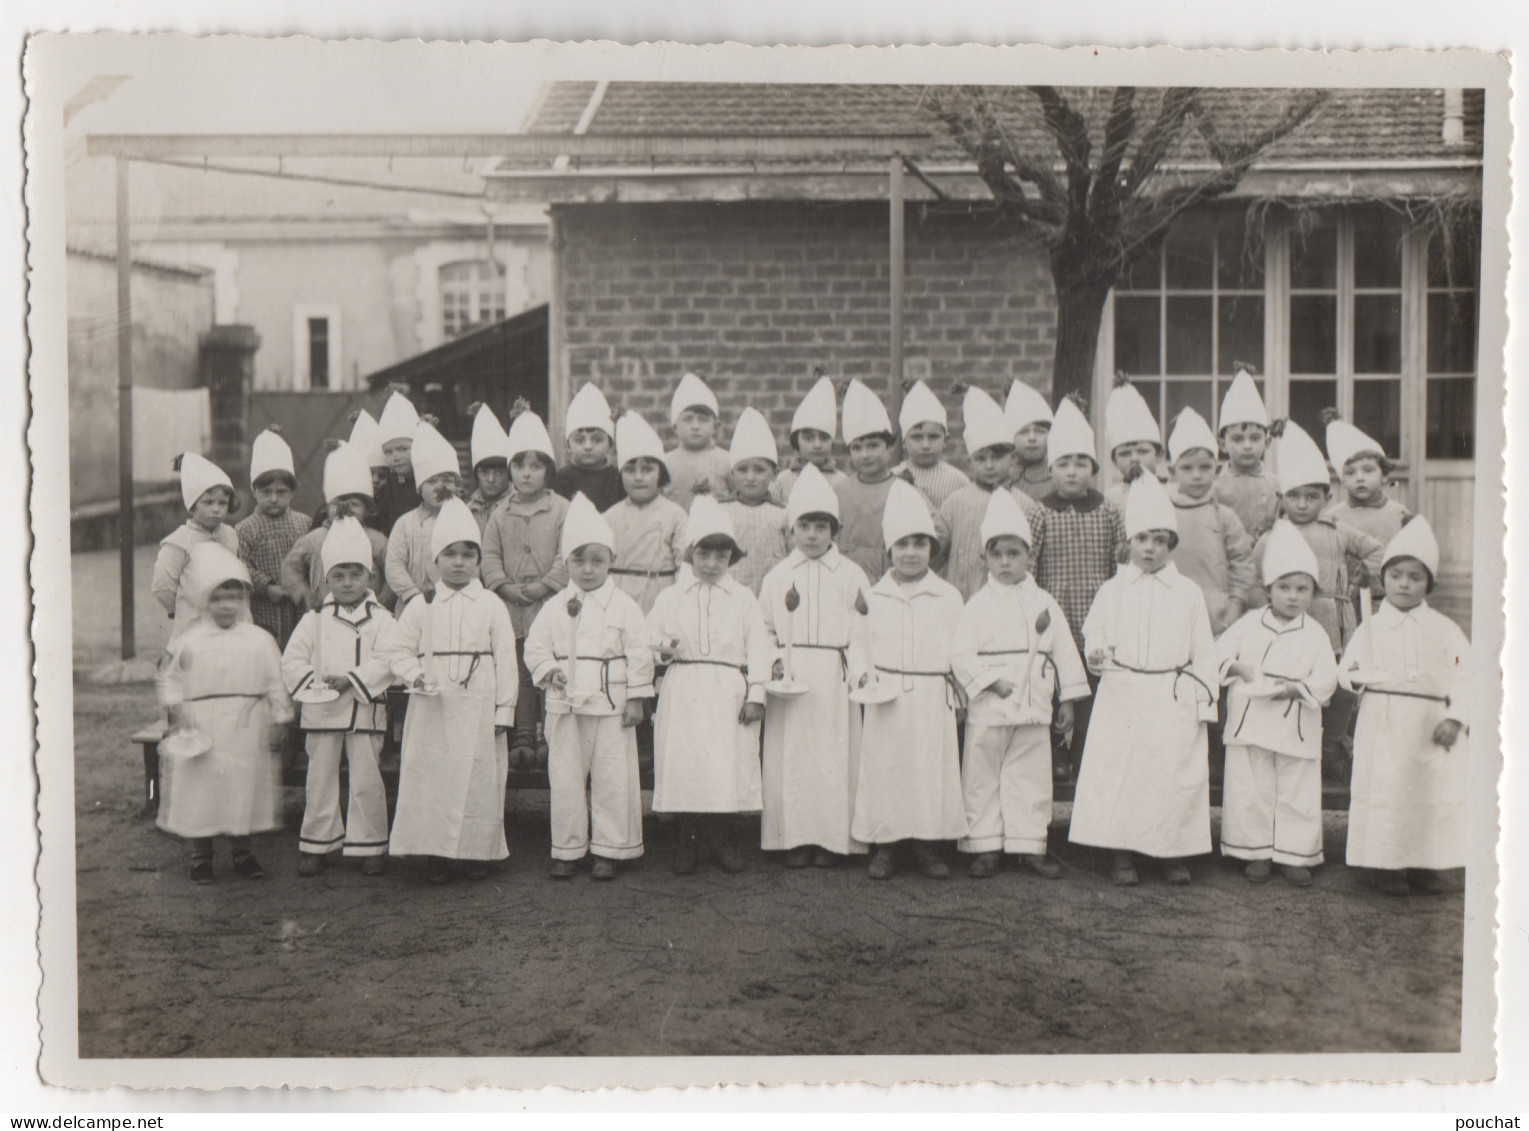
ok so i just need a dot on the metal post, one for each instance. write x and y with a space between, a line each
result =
895 170
125 408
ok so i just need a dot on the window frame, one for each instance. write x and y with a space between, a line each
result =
302 378
480 297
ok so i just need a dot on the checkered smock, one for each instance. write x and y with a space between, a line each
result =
1084 541
264 543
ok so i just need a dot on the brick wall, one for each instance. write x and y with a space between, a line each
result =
753 296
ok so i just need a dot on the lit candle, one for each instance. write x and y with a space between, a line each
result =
793 602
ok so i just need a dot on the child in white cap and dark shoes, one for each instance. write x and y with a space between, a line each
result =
347 494
268 535
812 439
455 650
648 526
399 492
1134 437
336 647
208 495
694 416
590 650
1411 668
925 427
1278 666
759 523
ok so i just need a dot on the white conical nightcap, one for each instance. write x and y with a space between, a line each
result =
1025 406
707 519
365 438
270 453
1005 517
811 494
906 512
983 422
1127 419
432 454
1300 460
589 409
752 438
346 473
398 420
488 438
921 406
1242 404
1148 507
454 523
1344 442
346 543
584 526
1285 552
1415 540
1070 435
691 392
864 414
635 438
818 409
199 475
528 434
210 565
1190 432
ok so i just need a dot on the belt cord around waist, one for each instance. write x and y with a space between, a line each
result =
605 663
1045 659
1177 673
951 685
644 572
227 695
477 658
842 649
1406 694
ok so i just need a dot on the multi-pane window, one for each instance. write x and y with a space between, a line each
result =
1187 316
472 295
318 353
1453 266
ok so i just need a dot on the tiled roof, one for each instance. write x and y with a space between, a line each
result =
1369 124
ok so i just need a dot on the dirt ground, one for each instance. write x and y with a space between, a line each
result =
768 962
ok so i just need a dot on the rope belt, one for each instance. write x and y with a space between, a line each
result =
842 649
605 663
1045 659
744 668
1405 694
947 677
477 658
227 695
649 573
1180 672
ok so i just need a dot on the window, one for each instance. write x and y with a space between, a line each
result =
472 295
316 348
1187 316
318 353
1453 268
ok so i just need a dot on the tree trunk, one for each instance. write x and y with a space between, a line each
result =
1080 308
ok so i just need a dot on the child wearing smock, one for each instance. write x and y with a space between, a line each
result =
759 523
268 535
1135 440
456 651
1030 420
410 569
990 445
1214 551
812 741
1278 666
1363 466
925 428
648 527
1410 665
222 677
208 495
523 565
1245 484
347 493
489 451
591 444
710 635
909 783
696 459
1013 654
812 438
336 647
1144 786
399 491
589 648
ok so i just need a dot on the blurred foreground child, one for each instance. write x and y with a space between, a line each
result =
209 497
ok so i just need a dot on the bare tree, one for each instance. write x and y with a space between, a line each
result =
1095 208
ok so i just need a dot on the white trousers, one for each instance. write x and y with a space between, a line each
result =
324 825
1271 807
596 798
1006 782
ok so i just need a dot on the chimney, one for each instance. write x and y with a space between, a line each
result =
1454 116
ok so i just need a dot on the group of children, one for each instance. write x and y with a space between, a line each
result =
902 655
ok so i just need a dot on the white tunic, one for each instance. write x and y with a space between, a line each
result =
910 761
227 683
704 759
612 653
1144 782
1297 651
1407 807
812 743
452 774
348 648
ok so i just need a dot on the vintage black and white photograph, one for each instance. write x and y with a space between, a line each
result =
584 553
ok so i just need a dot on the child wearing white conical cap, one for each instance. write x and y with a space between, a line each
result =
648 525
267 536
410 566
925 428
208 495
695 417
813 426
759 522
399 491
1363 467
590 469
347 493
1245 483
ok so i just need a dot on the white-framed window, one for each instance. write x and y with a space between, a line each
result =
473 294
1454 268
317 352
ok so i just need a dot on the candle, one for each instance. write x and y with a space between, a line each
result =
575 607
1042 623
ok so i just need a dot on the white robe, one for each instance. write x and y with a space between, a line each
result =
1144 785
227 684
453 765
704 759
1407 806
346 642
812 742
910 762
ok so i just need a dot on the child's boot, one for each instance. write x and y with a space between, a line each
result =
724 851
1257 871
823 858
541 746
1175 872
245 863
799 857
439 871
1392 882
1123 870
311 864
929 861
562 869
882 862
1041 865
374 865
603 869
983 865
689 852
1297 875
522 750
1426 880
